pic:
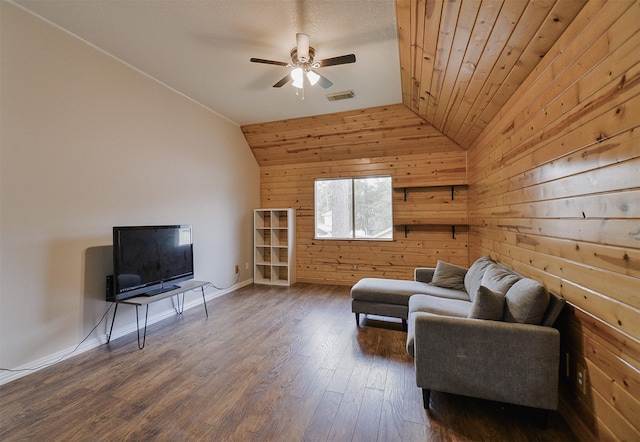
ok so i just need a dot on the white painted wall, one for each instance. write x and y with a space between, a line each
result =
88 143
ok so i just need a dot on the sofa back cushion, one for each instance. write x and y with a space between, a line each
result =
487 304
499 278
473 278
556 304
526 302
449 276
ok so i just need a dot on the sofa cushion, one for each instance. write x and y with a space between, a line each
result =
499 279
439 306
526 302
449 276
387 291
487 304
473 278
440 292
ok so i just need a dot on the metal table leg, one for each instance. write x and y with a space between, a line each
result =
144 337
112 322
204 301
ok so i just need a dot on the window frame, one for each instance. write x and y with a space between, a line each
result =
353 208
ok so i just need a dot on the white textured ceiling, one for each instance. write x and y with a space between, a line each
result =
202 48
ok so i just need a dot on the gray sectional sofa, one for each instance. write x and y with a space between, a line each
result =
484 332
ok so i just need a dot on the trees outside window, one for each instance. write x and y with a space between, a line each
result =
354 208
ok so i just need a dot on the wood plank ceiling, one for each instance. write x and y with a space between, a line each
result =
460 63
367 133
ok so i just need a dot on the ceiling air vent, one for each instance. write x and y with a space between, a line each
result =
340 96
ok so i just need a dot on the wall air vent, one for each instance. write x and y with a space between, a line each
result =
340 96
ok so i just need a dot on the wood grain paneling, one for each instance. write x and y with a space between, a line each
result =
344 262
373 141
367 133
461 61
554 192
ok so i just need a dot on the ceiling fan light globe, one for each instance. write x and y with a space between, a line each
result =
312 77
297 75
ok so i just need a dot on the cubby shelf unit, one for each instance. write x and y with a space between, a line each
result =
274 236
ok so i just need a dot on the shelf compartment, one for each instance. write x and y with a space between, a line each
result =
262 274
279 219
279 274
280 237
262 237
280 255
262 219
263 255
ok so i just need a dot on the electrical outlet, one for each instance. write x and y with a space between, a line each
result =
237 269
581 378
246 266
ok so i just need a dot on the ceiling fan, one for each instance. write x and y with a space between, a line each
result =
303 64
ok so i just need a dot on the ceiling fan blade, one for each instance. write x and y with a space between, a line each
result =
262 60
343 59
284 81
302 44
324 81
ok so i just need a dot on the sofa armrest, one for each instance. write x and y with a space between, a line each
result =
501 361
423 274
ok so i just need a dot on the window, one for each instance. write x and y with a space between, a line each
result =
354 208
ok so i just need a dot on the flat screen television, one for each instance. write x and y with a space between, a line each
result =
149 260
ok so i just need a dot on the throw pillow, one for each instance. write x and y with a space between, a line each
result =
499 279
473 278
487 304
449 276
525 302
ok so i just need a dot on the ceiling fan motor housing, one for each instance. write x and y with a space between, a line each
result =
302 61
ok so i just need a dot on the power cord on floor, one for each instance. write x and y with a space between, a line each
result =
48 364
225 288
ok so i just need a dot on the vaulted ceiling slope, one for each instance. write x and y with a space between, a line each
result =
202 49
454 63
382 131
461 61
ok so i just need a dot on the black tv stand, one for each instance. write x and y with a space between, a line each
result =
146 299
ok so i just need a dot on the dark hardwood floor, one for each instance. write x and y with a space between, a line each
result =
269 364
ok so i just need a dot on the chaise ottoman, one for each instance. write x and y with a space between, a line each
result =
384 297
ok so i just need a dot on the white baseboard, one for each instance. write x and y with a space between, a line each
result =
94 342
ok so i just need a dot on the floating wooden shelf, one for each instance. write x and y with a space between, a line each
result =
461 221
405 189
451 218
407 228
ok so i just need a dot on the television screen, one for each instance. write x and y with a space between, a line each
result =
148 260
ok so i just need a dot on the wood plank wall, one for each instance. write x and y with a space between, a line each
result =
555 193
389 140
